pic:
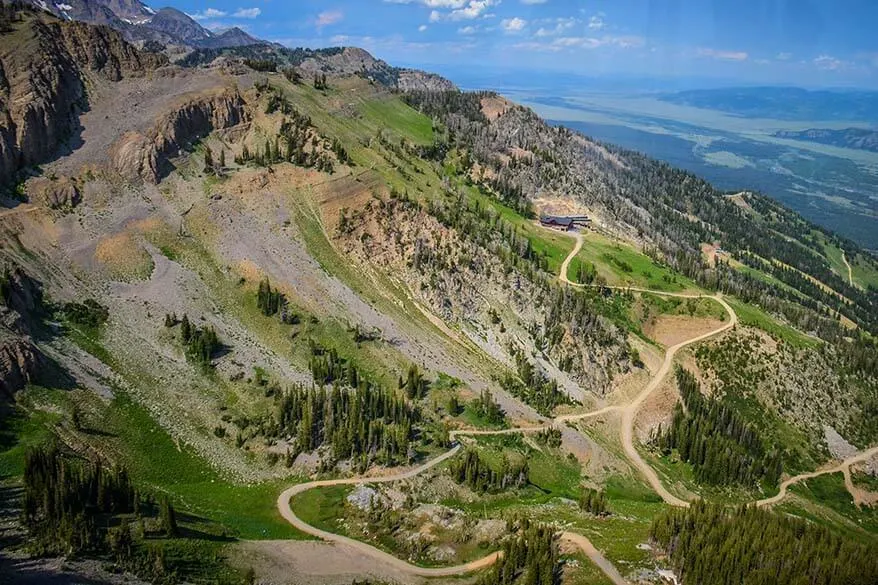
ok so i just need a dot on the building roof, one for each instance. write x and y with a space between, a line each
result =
554 220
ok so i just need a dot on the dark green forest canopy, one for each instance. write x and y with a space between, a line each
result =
681 212
708 543
722 447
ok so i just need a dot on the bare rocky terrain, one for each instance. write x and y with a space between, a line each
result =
379 251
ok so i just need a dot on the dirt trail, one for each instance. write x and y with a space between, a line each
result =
629 413
596 557
850 271
841 467
283 504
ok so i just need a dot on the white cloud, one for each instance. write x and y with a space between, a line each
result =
422 28
208 13
468 30
784 56
570 43
247 12
561 25
513 25
828 63
459 9
532 2
722 55
596 23
329 17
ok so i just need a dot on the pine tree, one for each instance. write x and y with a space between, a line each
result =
168 518
185 329
208 160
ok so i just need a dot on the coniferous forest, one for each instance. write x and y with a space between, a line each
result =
532 556
64 498
476 473
710 544
722 447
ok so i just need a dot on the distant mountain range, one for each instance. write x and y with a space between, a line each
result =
782 103
140 24
857 138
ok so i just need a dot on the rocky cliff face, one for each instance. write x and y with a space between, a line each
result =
20 305
19 363
44 65
415 80
147 157
355 61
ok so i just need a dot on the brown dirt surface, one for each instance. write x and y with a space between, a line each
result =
494 107
658 408
708 252
291 562
672 329
738 199
124 257
559 205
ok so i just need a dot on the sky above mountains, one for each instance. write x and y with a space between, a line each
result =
804 42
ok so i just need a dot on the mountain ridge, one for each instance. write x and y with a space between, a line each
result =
254 270
857 138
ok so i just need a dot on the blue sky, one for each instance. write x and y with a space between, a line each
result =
806 42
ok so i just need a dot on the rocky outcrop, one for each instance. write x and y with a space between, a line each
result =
20 362
355 61
146 157
57 194
416 80
22 302
44 67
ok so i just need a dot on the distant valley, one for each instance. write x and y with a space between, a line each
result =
830 176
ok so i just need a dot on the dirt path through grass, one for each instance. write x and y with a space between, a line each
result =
850 271
629 413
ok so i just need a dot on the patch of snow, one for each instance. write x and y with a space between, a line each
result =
643 546
669 576
148 9
64 7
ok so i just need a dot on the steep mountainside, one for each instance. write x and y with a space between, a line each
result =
265 293
139 23
178 25
336 61
46 65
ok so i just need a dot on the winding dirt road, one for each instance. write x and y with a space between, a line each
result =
629 413
841 467
850 271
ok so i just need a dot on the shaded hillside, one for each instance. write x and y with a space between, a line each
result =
858 138
46 66
140 23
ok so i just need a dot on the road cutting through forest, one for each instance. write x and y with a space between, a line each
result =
629 413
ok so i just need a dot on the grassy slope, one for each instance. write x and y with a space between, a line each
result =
755 317
248 511
825 500
622 265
